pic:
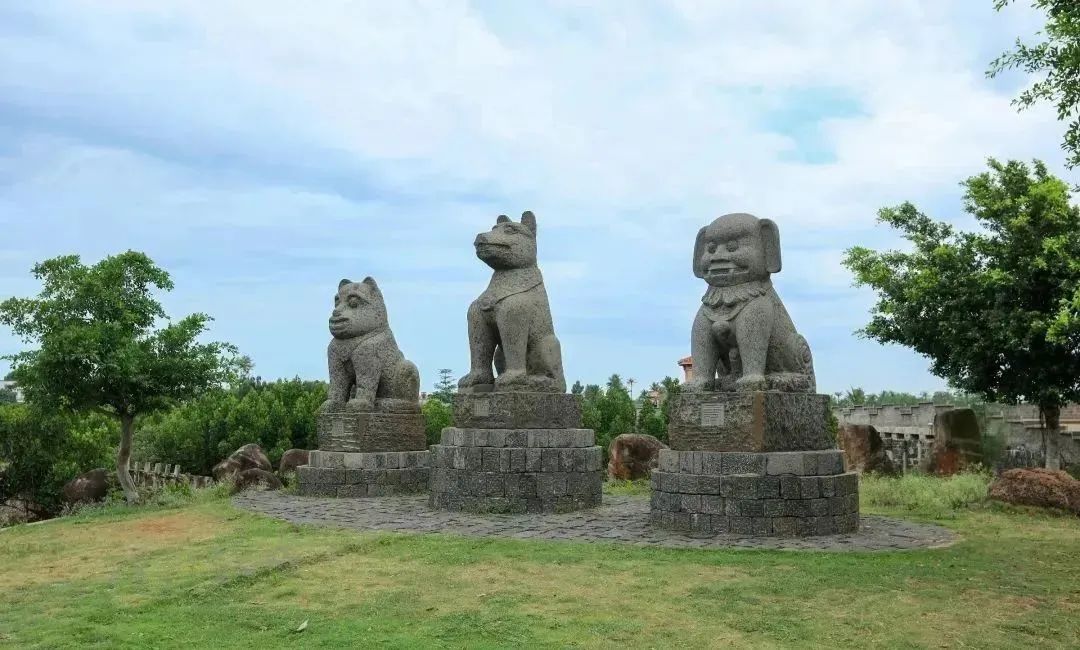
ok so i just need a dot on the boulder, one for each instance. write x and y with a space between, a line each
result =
633 456
957 442
1042 488
250 456
292 459
259 479
89 487
864 450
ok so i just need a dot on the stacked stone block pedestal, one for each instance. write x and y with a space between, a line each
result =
367 455
759 464
516 453
795 493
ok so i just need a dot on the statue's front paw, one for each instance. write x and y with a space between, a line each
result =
750 383
511 378
475 379
329 406
360 405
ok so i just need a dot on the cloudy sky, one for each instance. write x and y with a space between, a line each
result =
262 150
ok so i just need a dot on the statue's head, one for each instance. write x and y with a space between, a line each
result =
509 244
358 309
737 248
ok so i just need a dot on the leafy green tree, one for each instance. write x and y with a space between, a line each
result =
445 387
40 451
1057 58
993 310
99 349
7 396
577 388
650 419
437 416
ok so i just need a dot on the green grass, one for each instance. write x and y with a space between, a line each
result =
925 495
199 573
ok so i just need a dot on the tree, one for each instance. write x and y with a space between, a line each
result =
99 349
437 416
1058 59
993 310
445 387
577 388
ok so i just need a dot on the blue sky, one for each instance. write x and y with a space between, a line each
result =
260 151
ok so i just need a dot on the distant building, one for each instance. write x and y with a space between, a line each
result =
12 386
687 365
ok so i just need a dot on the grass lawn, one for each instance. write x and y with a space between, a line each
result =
207 575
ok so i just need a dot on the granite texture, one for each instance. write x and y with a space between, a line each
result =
510 325
797 493
356 475
516 471
742 338
368 372
517 410
370 432
619 520
755 421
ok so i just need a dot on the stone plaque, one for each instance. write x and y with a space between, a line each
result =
712 415
481 408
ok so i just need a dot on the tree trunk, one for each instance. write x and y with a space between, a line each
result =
123 458
1052 417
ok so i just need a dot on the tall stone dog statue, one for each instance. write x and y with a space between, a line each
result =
510 323
743 338
368 372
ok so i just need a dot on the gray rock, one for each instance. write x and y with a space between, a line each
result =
510 324
292 459
250 456
743 338
368 372
87 487
255 479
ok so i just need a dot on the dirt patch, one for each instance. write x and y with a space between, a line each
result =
102 548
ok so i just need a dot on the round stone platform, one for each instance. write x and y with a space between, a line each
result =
620 519
373 474
516 471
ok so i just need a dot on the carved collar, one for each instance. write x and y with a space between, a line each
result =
740 293
508 283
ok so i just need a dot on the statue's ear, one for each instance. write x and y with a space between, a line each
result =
699 249
770 245
529 219
503 219
344 282
370 282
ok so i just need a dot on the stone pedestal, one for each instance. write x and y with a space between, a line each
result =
755 421
788 494
370 432
372 474
756 463
516 453
367 455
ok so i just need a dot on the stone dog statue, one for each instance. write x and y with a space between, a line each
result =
368 372
743 338
510 323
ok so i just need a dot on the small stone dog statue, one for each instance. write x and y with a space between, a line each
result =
368 372
510 323
743 338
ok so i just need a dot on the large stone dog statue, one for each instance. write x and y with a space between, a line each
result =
743 338
510 323
368 372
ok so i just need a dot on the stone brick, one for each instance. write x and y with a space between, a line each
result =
744 508
784 463
669 461
810 487
740 526
784 526
712 462
713 505
790 487
819 507
690 503
774 507
743 463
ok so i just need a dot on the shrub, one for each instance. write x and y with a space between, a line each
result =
39 452
437 416
196 435
932 496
